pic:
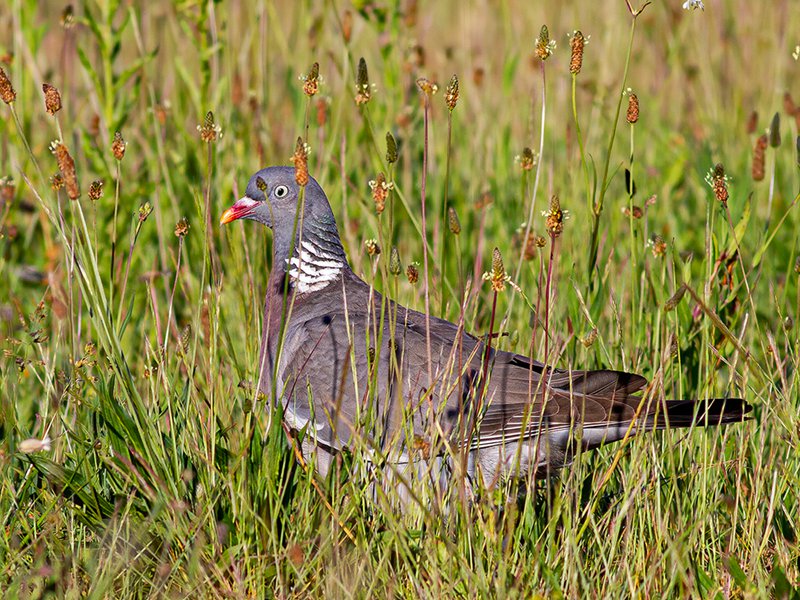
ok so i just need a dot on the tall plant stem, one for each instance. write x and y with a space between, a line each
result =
547 299
529 223
113 239
597 209
579 135
443 225
426 287
634 261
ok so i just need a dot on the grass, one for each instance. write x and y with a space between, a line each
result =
136 350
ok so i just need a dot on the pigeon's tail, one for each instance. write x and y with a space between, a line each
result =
701 413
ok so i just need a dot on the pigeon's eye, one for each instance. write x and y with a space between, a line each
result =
281 191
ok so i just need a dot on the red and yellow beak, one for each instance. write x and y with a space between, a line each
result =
241 208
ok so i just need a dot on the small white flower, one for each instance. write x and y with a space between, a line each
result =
35 445
796 53
693 5
586 38
565 216
304 77
550 47
386 185
709 178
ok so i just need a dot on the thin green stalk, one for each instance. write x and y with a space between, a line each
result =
443 224
172 294
134 237
579 135
597 209
632 235
771 196
111 278
548 283
423 190
529 223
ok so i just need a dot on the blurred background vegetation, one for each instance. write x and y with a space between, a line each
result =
131 342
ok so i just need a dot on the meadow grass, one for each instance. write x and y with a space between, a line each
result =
132 342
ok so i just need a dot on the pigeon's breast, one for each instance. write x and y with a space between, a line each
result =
312 268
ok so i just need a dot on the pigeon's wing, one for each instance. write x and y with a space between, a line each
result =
352 373
524 399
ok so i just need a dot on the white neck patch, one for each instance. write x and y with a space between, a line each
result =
312 268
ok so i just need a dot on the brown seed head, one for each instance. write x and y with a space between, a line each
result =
414 59
161 111
372 247
410 14
96 189
56 182
478 74
532 244
555 217
7 93
412 272
347 26
261 185
118 146
380 191
68 17
363 90
719 183
391 148
484 200
395 267
789 106
209 130
752 122
67 167
322 111
635 211
675 299
427 86
658 246
788 323
451 94
311 84
7 189
182 227
577 44
300 160
759 153
422 447
527 160
452 221
797 265
633 109
94 125
775 131
52 98
589 338
144 211
497 276
544 45
673 345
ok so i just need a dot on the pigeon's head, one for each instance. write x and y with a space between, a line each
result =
272 200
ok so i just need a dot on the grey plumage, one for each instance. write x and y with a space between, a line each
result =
352 367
